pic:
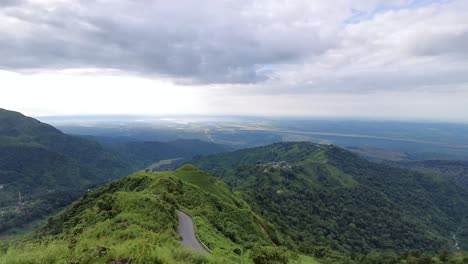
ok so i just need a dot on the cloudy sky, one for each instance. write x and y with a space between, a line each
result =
391 59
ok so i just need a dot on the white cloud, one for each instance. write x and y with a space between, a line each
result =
204 41
307 57
92 91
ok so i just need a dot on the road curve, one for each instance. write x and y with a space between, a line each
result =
187 232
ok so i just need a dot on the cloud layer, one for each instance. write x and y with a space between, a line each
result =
276 46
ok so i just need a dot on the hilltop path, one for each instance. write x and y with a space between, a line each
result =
187 232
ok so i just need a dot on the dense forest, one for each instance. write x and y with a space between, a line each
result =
454 169
42 169
327 197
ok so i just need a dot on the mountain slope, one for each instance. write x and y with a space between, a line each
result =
324 196
454 169
134 220
42 169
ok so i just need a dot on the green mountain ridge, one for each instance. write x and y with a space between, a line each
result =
42 169
134 220
324 196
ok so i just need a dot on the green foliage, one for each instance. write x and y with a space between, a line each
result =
411 258
134 220
454 169
225 220
42 169
270 255
53 252
51 169
325 199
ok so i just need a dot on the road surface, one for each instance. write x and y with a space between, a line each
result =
187 233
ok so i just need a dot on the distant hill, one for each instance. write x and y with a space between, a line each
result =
43 169
324 196
134 220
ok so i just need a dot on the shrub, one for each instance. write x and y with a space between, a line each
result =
270 255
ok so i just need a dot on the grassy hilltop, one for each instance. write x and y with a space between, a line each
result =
133 220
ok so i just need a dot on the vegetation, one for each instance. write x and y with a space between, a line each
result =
143 153
43 170
274 203
134 220
326 199
454 169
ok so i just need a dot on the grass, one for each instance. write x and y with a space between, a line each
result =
55 252
207 183
134 219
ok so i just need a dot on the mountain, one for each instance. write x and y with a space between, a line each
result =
42 169
288 199
327 199
134 220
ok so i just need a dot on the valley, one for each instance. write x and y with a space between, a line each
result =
194 201
413 140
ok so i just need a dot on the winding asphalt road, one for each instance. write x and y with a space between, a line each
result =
187 232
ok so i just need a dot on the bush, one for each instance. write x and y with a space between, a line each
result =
270 255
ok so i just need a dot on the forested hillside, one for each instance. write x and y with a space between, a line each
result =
134 220
327 198
454 169
42 169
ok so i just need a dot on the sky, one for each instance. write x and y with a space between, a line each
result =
378 59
